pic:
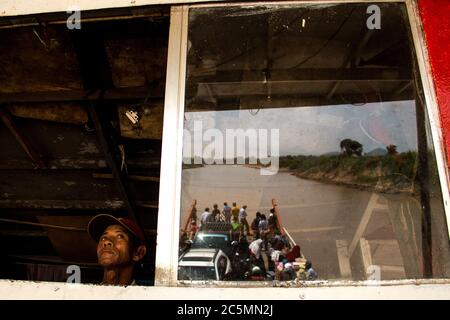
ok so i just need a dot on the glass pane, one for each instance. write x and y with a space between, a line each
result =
307 152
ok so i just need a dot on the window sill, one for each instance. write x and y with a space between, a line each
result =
404 289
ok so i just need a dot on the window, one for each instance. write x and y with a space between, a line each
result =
70 145
314 117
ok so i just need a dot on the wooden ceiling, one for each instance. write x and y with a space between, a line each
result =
64 157
293 57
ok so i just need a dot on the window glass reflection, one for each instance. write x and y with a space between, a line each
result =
307 152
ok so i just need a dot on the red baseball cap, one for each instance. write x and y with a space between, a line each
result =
99 223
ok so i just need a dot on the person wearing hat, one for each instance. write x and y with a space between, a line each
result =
121 244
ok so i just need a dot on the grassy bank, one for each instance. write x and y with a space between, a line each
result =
389 173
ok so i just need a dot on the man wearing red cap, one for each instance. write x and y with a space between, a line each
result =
121 244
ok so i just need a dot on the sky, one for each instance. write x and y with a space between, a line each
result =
319 130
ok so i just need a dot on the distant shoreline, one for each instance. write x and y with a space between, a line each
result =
192 166
378 180
387 186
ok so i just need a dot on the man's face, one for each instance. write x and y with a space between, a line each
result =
114 247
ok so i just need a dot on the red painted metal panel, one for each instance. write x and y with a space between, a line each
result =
435 16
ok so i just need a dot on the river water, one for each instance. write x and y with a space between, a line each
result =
315 214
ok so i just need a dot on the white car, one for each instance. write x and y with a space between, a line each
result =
203 264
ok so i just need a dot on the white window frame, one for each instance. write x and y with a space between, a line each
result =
172 142
10 8
170 183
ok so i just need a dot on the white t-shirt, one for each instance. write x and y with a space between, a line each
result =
205 216
242 214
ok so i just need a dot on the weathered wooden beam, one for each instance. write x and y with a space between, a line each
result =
88 16
79 163
246 88
83 95
372 206
58 112
72 204
34 155
52 260
269 54
23 233
344 259
131 177
96 75
405 222
287 101
402 87
365 254
399 270
43 234
110 151
62 204
352 59
306 75
147 204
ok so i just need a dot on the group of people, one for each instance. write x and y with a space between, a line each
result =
268 249
279 258
262 226
271 251
236 216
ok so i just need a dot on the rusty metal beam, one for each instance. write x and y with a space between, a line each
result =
306 75
34 155
289 101
352 59
129 93
131 177
110 150
89 205
96 75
